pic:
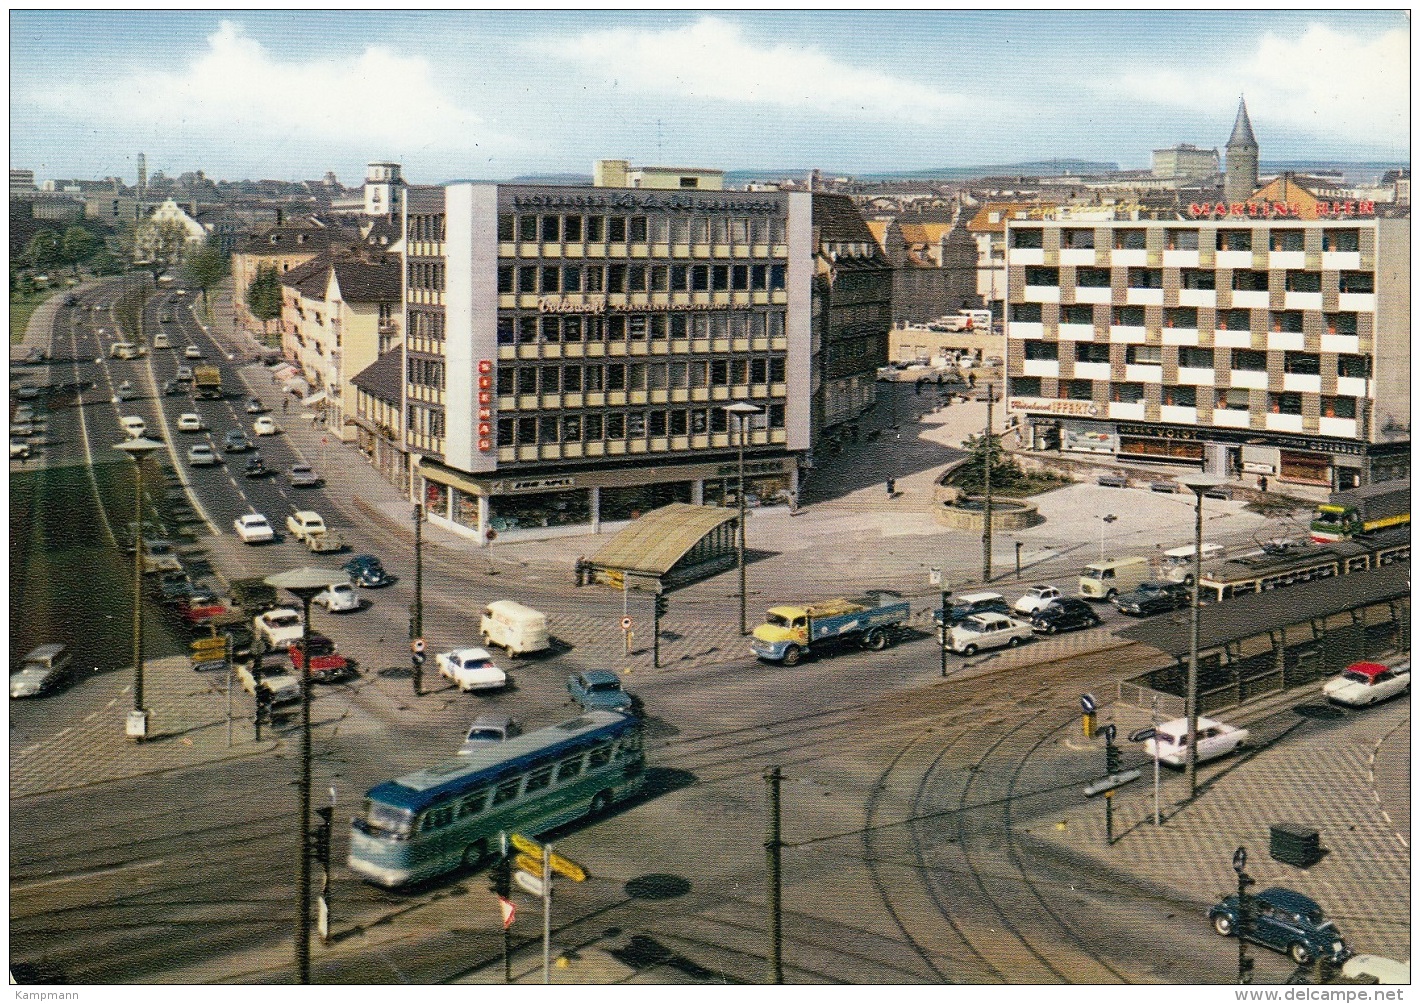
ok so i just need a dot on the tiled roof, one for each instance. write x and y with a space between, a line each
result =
982 222
364 281
383 378
924 233
839 220
309 278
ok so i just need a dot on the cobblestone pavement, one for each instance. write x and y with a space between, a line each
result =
1321 775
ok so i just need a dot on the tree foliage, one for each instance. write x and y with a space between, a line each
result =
43 250
264 294
77 246
1006 473
207 266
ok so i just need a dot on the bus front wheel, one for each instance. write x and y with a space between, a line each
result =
600 801
474 853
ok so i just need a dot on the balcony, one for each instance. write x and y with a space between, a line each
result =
1092 371
1301 301
1341 261
1025 256
1135 373
1352 387
1197 376
1258 298
1179 336
1343 428
1286 259
1286 340
1127 333
1128 256
1283 423
1026 329
1307 383
1077 332
1077 256
1180 259
1229 339
1042 368
1128 410
1251 379
1093 294
1231 418
1234 259
1197 297
1341 343
1360 302
1043 294
1178 415
1136 296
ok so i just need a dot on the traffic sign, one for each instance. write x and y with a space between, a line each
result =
626 623
1087 703
1109 783
209 644
531 859
417 645
528 883
525 845
1142 734
528 863
1107 731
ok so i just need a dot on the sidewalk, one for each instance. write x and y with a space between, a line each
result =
1363 880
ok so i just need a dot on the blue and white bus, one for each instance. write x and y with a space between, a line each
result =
437 819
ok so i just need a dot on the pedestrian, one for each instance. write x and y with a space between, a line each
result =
891 487
285 405
971 380
313 421
1262 483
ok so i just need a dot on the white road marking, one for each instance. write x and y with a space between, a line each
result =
1402 841
91 716
111 703
64 731
26 887
1386 816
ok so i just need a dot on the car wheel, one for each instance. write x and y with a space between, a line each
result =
1012 642
1109 596
1223 924
969 650
1188 579
600 801
791 655
474 854
1050 629
876 641
1299 953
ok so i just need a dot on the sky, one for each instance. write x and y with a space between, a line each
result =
494 95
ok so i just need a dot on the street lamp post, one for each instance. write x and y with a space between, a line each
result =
304 584
137 449
1198 484
1105 521
743 411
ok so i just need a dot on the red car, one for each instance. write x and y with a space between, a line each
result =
327 665
196 614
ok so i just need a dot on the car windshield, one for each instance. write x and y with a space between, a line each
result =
1166 738
974 624
778 620
477 662
605 685
283 620
388 818
482 735
1356 677
1092 573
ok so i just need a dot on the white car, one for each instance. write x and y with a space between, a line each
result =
339 598
279 627
264 426
201 455
189 421
253 528
988 630
471 669
192 352
19 449
1363 683
1214 740
284 687
1036 598
1376 968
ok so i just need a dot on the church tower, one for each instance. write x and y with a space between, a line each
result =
1240 180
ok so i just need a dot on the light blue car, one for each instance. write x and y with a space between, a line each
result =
600 690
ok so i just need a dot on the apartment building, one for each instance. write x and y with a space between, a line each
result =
570 351
1238 338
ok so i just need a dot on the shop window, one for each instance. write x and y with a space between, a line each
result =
1249 359
1027 237
1358 282
1181 317
1079 390
1285 320
1129 240
572 228
1338 407
1303 282
1077 313
1042 277
1146 278
1234 320
527 228
1144 355
616 229
1026 386
1341 240
1234 240
1127 393
1196 278
1027 313
633 501
1091 352
1348 365
1301 362
1042 350
1284 404
1250 280
1128 317
1184 396
1286 240
540 509
1077 239
1092 278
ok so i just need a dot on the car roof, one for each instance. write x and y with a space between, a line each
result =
975 597
1290 900
253 517
471 653
599 676
46 651
1372 669
1181 724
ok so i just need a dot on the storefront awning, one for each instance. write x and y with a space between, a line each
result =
653 543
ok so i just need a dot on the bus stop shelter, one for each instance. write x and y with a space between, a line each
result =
667 547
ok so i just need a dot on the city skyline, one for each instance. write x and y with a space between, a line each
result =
494 95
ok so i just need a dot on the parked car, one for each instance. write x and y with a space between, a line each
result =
161 341
236 442
1214 740
1363 683
173 586
1153 597
19 449
192 352
160 556
184 373
987 630
44 669
1286 921
302 476
24 413
189 421
264 426
1064 614
201 455
133 426
27 429
601 690
471 669
967 604
126 391
488 729
278 627
172 388
339 598
255 406
1036 598
366 570
253 528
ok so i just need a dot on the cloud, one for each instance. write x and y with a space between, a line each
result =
713 60
378 100
1325 83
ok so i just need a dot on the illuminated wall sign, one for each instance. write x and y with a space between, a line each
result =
1053 406
563 305
1279 209
541 485
485 402
628 200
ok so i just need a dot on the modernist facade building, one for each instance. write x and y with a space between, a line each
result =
1237 338
569 351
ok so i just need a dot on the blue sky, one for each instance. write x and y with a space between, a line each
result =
496 94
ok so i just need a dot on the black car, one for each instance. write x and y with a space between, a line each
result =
366 570
172 388
1286 921
1153 598
962 607
1064 614
256 468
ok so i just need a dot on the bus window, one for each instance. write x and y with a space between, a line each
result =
473 804
599 757
539 779
388 818
569 768
435 818
507 791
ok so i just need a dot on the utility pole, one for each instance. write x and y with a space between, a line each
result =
231 678
416 619
772 845
321 839
546 914
1111 768
936 578
1244 914
986 528
662 605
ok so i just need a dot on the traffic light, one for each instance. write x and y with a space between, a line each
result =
500 878
417 658
662 605
322 833
1111 759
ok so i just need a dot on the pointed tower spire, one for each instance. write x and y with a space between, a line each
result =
1240 178
1242 129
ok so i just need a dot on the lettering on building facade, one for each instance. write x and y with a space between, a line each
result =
626 200
1053 406
1279 209
599 306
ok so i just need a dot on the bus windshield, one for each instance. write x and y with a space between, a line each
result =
388 818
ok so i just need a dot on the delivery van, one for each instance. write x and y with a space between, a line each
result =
1104 580
514 627
1178 562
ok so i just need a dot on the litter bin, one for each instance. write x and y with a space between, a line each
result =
1295 844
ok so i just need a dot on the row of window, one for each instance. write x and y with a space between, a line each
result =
651 229
1307 363
426 227
620 277
426 324
425 372
1187 239
639 376
545 430
1253 280
528 329
1187 396
1240 319
426 275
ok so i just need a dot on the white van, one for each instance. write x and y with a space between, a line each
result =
514 627
133 426
1104 580
126 350
1178 562
161 341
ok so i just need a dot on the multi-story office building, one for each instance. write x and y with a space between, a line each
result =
1238 338
570 351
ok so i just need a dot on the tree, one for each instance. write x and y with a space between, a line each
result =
161 241
43 250
78 245
207 266
264 295
970 477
